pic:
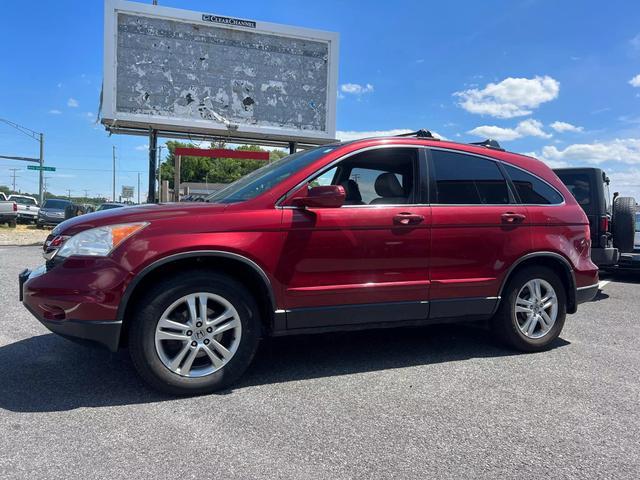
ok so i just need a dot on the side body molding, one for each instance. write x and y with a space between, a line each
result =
192 254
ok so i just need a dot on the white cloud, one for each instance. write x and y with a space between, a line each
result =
635 81
635 42
625 150
55 112
145 147
495 132
526 128
73 103
565 127
356 88
512 97
347 136
532 128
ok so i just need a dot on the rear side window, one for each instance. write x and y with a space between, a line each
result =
532 190
467 180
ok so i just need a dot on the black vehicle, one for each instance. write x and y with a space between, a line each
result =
611 219
53 212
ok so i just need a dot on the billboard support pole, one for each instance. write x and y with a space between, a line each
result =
176 179
293 146
153 148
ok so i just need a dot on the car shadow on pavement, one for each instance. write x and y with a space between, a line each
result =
48 373
312 356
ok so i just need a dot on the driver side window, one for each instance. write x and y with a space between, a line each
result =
385 176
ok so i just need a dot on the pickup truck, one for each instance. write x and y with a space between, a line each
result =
8 211
27 208
612 219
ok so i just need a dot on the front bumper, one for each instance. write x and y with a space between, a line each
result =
69 311
49 220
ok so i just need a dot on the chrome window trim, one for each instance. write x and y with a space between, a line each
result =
428 147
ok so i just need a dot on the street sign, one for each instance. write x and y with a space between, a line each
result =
38 167
127 192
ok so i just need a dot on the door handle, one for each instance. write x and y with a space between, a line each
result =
511 217
406 218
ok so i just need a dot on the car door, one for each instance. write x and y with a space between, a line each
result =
368 260
478 232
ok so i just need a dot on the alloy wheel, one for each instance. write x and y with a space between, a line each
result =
198 334
536 308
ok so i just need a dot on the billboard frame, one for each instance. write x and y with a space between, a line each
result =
116 122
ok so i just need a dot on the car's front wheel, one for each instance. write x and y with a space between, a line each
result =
532 310
194 333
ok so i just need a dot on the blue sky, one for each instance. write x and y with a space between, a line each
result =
560 80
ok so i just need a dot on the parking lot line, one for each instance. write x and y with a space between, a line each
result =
602 283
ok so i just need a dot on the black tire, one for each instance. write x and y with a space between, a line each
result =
150 307
12 223
624 223
504 323
39 226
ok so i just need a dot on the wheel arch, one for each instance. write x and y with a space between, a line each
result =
235 265
553 260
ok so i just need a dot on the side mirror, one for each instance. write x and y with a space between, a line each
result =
325 196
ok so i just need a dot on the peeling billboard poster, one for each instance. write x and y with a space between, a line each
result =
178 70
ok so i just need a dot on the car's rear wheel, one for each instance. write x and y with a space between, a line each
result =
194 333
532 310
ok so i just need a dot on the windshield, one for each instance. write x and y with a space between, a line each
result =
57 204
265 178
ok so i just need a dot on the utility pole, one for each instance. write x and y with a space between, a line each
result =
113 197
13 176
39 137
86 193
41 173
69 193
138 188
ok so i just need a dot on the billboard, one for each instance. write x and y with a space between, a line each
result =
185 71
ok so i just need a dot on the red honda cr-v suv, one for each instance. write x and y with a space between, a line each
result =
380 232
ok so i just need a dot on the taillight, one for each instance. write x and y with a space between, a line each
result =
604 223
15 207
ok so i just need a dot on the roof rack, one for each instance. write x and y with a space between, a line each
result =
422 133
489 143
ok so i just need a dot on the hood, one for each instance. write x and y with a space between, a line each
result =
141 213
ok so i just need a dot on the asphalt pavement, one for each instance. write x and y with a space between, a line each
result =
432 402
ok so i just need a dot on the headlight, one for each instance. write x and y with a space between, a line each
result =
100 241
